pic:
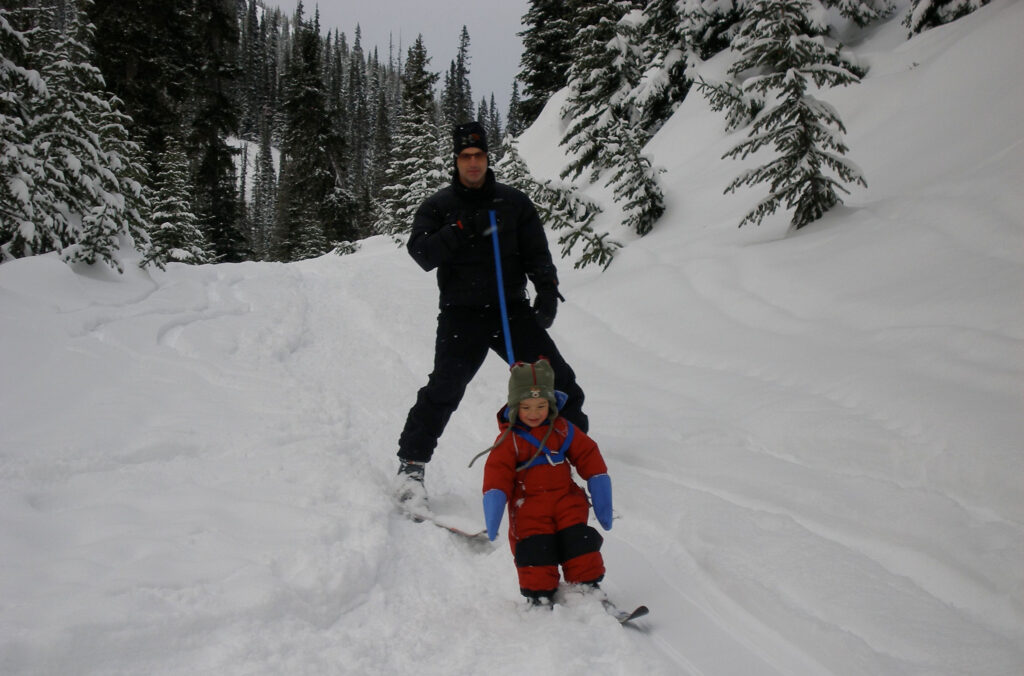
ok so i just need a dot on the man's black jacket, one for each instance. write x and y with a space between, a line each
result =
451 232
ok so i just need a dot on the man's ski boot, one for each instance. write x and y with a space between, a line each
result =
410 491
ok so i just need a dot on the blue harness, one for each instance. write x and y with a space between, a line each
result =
546 455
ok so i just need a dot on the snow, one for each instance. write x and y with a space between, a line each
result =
815 439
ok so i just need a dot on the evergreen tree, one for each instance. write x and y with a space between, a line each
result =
175 232
463 102
25 196
457 95
783 43
212 119
544 65
664 83
709 26
357 130
413 174
925 14
562 209
313 207
144 49
515 124
603 71
264 195
862 12
605 131
79 185
492 123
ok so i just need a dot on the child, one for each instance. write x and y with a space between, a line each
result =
529 470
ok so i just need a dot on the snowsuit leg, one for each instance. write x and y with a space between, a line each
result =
546 531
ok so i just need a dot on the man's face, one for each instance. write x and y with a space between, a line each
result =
472 166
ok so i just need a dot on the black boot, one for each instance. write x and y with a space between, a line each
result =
411 492
539 599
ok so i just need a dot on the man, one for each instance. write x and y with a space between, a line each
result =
452 233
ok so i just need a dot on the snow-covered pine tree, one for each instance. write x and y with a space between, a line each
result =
264 195
86 191
635 180
174 229
494 133
463 103
663 83
412 174
925 14
24 192
562 208
709 26
212 119
783 44
862 12
515 124
355 114
544 65
602 73
605 134
144 50
310 189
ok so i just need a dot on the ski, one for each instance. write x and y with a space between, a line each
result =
623 616
473 535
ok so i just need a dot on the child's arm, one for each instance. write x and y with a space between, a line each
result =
585 456
589 463
499 479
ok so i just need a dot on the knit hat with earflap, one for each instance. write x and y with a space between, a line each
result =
531 381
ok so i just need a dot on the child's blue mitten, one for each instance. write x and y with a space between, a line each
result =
494 510
600 486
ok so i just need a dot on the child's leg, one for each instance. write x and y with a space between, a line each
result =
531 536
537 564
579 551
579 545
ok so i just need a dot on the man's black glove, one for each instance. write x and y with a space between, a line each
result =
545 305
453 235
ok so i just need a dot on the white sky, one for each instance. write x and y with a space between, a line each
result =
494 46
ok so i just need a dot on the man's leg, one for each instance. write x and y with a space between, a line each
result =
459 350
530 342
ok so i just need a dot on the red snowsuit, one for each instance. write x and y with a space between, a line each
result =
547 510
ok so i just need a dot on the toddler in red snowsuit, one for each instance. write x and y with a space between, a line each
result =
529 469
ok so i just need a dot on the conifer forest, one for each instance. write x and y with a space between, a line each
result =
203 131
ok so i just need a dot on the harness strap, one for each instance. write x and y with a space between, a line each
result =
544 455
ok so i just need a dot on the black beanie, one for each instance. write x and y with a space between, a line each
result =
470 135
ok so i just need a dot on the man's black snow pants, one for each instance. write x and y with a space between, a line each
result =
464 336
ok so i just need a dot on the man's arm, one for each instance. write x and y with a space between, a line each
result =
434 242
539 267
533 245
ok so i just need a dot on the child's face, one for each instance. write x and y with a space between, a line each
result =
533 412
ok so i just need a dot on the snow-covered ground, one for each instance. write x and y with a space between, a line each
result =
816 440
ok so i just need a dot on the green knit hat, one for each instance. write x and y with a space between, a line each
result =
531 381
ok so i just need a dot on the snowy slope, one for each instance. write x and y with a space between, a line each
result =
815 439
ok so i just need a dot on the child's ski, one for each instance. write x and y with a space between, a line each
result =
623 616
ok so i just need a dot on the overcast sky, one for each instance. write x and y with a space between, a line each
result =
494 47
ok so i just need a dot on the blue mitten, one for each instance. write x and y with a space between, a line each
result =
494 510
600 486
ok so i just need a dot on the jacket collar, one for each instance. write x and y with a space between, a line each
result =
484 192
